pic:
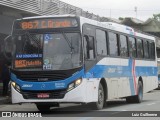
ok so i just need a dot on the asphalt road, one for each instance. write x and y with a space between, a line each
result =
114 108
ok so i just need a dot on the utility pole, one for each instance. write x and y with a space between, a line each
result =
135 9
110 13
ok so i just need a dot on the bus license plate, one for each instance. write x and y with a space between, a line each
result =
42 95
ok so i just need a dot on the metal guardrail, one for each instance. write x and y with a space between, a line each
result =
49 7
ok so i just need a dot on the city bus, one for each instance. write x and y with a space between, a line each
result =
72 59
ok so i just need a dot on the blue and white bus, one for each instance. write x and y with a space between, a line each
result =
71 59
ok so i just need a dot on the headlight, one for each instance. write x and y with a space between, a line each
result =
71 86
74 84
13 84
16 86
78 82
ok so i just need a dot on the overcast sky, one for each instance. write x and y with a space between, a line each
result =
119 8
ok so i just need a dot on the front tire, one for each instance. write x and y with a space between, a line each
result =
43 107
101 99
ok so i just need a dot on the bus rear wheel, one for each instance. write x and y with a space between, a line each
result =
100 103
137 98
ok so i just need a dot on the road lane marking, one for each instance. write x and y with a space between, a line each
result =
151 104
131 106
118 112
86 118
124 110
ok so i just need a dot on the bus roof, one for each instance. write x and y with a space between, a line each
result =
47 16
109 25
117 27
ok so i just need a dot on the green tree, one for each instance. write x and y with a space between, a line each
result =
121 18
156 17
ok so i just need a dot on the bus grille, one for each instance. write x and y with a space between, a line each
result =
41 76
52 94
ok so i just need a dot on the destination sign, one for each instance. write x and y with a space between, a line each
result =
28 63
19 56
46 23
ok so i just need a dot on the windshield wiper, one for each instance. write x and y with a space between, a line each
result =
35 39
31 38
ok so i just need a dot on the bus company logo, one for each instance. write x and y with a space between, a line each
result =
43 86
27 85
42 79
59 85
111 70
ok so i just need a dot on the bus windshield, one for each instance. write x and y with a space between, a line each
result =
62 50
53 51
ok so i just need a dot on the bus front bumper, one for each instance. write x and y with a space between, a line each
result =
86 92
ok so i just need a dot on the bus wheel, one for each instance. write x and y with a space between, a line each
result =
99 105
43 107
138 98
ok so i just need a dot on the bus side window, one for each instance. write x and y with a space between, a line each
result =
146 49
113 44
123 46
132 47
139 48
101 42
153 51
150 50
89 49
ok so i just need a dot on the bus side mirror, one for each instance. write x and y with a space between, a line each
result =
8 48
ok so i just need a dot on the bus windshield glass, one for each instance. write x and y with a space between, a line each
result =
53 51
61 51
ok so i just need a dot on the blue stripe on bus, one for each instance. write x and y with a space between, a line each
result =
98 71
111 71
